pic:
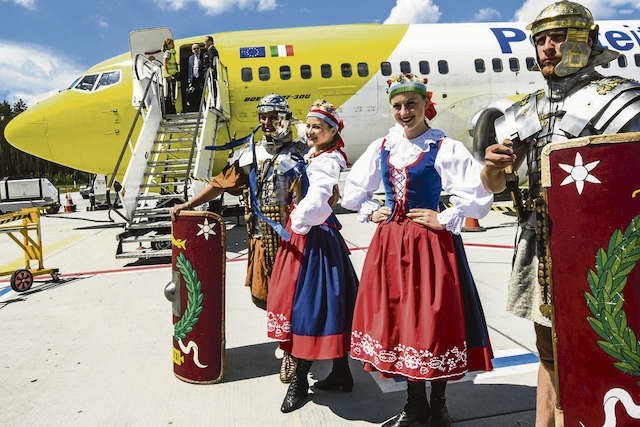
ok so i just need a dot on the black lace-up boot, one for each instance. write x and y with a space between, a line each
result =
416 411
439 413
339 378
298 388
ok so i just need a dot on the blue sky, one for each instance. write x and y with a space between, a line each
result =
44 45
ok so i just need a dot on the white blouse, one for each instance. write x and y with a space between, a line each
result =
459 172
323 172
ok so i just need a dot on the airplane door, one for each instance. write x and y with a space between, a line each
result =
146 56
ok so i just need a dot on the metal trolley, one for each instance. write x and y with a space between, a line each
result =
23 227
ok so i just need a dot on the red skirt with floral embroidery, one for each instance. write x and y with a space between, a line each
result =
409 317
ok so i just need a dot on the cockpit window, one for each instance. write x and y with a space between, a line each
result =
96 81
87 82
108 79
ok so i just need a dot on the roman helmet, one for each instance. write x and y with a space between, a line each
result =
278 104
578 21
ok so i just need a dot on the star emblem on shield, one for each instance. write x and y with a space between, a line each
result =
206 229
579 173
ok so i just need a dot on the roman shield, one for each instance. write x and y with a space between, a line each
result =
198 280
592 222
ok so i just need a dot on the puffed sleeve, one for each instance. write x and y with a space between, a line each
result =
323 173
363 180
460 174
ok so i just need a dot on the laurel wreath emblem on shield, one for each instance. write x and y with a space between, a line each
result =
606 300
194 298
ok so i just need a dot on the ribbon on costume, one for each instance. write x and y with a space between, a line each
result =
233 143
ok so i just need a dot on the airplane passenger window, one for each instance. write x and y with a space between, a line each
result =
622 61
385 68
424 67
532 65
305 71
247 74
264 74
87 82
346 70
405 67
285 72
325 70
363 69
514 65
636 58
443 67
479 63
497 65
108 79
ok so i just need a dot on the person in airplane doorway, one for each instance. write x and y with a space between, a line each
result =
417 314
314 285
170 73
211 61
272 160
577 101
195 78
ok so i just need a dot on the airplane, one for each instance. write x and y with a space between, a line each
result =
472 69
475 71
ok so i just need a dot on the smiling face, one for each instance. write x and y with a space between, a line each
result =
408 109
319 133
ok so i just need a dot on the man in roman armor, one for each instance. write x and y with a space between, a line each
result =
271 161
577 101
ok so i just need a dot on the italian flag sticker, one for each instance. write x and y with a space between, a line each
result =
282 50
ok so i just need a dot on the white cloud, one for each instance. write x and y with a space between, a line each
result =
487 14
102 23
217 7
413 12
27 4
601 9
33 72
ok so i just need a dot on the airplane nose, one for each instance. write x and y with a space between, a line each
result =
28 132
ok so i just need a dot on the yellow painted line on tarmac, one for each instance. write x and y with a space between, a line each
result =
18 262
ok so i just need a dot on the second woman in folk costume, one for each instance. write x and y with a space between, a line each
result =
313 284
417 314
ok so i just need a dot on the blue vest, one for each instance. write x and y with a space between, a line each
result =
422 184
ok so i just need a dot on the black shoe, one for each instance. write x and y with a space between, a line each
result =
336 381
296 394
408 419
439 414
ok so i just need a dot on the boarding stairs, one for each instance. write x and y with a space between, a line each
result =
168 163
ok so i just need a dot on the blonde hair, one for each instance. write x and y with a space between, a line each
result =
165 43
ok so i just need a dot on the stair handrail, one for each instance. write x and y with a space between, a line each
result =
127 142
201 109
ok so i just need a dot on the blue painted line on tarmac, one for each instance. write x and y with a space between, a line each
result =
5 290
519 359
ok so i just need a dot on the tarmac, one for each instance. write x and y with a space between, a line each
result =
95 348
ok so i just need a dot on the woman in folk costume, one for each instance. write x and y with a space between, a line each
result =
417 314
313 284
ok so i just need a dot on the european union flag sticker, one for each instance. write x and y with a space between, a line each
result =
253 52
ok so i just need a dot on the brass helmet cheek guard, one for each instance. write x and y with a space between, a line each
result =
578 21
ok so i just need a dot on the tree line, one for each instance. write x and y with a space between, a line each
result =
16 163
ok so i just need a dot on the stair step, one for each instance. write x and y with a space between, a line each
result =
149 225
173 140
157 196
158 238
145 253
163 184
168 163
171 150
166 173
